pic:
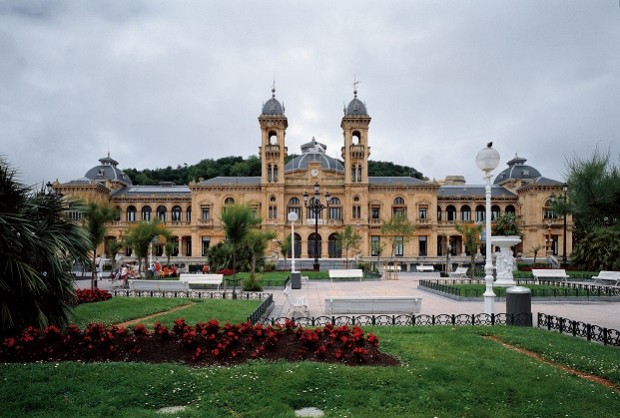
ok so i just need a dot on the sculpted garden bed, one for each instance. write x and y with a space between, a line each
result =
206 343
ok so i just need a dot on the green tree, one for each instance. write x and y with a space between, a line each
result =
141 235
237 221
286 248
506 224
256 241
594 201
471 238
348 240
397 231
219 256
38 246
96 216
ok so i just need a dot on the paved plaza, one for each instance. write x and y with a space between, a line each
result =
602 313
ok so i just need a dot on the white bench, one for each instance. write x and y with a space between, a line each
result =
295 303
422 267
202 279
459 272
608 277
550 274
346 274
373 305
158 285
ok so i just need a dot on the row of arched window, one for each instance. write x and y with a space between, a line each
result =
464 214
161 213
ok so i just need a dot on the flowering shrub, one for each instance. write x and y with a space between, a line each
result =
209 342
91 295
226 272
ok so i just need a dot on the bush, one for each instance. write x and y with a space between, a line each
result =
91 295
252 284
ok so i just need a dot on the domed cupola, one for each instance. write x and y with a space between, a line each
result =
313 151
517 170
356 107
273 106
108 170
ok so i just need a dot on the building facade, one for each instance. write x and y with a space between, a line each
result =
350 196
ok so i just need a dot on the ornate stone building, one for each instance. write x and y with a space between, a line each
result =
351 197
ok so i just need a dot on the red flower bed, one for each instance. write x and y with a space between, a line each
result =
226 272
202 344
91 295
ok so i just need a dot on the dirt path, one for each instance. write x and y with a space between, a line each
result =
587 376
146 318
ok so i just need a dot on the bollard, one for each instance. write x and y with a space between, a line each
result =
519 301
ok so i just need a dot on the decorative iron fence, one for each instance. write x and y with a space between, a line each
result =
194 294
560 289
607 336
256 316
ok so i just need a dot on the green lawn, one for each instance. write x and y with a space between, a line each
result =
550 291
445 372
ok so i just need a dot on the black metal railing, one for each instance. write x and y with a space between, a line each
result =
256 316
607 336
560 289
193 294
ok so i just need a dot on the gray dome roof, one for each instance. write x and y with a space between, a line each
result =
313 151
356 107
517 170
108 170
273 106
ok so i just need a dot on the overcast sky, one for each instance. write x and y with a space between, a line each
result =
159 83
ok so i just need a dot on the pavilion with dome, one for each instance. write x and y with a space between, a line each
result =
352 197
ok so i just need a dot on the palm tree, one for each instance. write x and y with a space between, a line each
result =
397 230
141 235
471 237
237 221
96 216
38 245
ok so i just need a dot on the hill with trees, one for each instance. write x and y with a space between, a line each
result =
238 166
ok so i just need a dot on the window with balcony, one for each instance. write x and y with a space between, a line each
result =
375 213
205 213
548 212
294 205
335 209
398 207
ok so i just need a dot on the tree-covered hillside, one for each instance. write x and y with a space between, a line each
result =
237 166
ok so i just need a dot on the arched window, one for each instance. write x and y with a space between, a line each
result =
335 209
177 214
355 138
117 213
131 214
511 209
480 213
146 213
356 209
334 248
465 213
229 201
494 212
297 241
161 213
273 138
450 213
311 245
398 207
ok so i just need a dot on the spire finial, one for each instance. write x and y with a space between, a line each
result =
355 83
273 87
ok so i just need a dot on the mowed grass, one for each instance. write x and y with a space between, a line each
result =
445 372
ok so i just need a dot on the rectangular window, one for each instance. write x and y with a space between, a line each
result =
398 246
206 213
206 241
357 212
422 213
188 215
422 245
375 212
375 245
439 214
146 216
273 212
334 213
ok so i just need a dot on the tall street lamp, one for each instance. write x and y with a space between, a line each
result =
487 160
315 206
295 276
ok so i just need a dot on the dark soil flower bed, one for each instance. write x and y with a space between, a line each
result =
203 344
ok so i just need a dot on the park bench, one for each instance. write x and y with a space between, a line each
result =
459 272
608 277
422 267
295 303
202 279
346 274
158 285
373 305
550 274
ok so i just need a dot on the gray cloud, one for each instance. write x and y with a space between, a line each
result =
159 83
